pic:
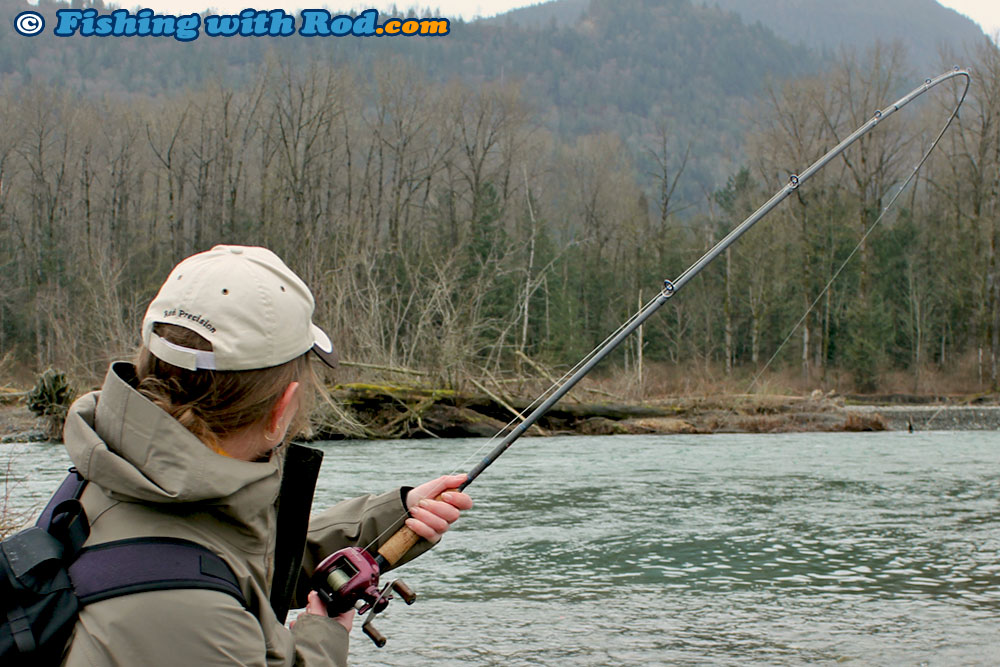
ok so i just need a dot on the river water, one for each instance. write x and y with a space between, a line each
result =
875 549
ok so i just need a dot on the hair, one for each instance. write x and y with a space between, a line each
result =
215 404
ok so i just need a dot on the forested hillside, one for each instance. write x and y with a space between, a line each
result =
636 68
451 224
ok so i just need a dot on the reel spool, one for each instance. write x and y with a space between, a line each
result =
349 579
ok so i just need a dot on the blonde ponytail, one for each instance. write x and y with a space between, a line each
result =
216 404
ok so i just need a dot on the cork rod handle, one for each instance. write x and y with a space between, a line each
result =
402 541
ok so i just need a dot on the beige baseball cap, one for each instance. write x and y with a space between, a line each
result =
252 308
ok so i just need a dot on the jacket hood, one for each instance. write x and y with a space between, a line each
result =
122 441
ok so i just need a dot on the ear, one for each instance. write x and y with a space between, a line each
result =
283 411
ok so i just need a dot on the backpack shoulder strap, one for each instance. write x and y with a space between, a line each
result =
143 564
70 489
133 565
64 517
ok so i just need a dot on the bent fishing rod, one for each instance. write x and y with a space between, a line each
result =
349 578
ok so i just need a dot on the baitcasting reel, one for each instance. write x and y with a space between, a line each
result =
348 579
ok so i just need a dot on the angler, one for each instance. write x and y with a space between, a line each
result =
189 449
174 449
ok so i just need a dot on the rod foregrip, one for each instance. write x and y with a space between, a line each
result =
403 540
397 545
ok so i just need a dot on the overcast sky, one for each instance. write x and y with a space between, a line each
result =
984 12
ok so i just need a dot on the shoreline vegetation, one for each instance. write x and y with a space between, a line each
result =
390 411
445 229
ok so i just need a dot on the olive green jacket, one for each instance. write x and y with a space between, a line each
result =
151 477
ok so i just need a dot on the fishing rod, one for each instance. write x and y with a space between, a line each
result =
349 578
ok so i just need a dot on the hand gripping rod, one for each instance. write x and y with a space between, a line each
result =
400 543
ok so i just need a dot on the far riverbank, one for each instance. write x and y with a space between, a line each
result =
384 411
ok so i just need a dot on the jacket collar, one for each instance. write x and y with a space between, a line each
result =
122 441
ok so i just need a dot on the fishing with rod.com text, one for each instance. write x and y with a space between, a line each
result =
248 23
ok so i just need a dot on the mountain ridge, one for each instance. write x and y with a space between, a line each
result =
634 68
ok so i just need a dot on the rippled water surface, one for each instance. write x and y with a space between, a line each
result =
779 549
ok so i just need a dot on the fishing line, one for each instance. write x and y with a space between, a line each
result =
670 288
534 404
545 394
928 84
349 578
933 417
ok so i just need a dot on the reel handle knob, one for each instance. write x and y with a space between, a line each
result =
404 592
377 637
